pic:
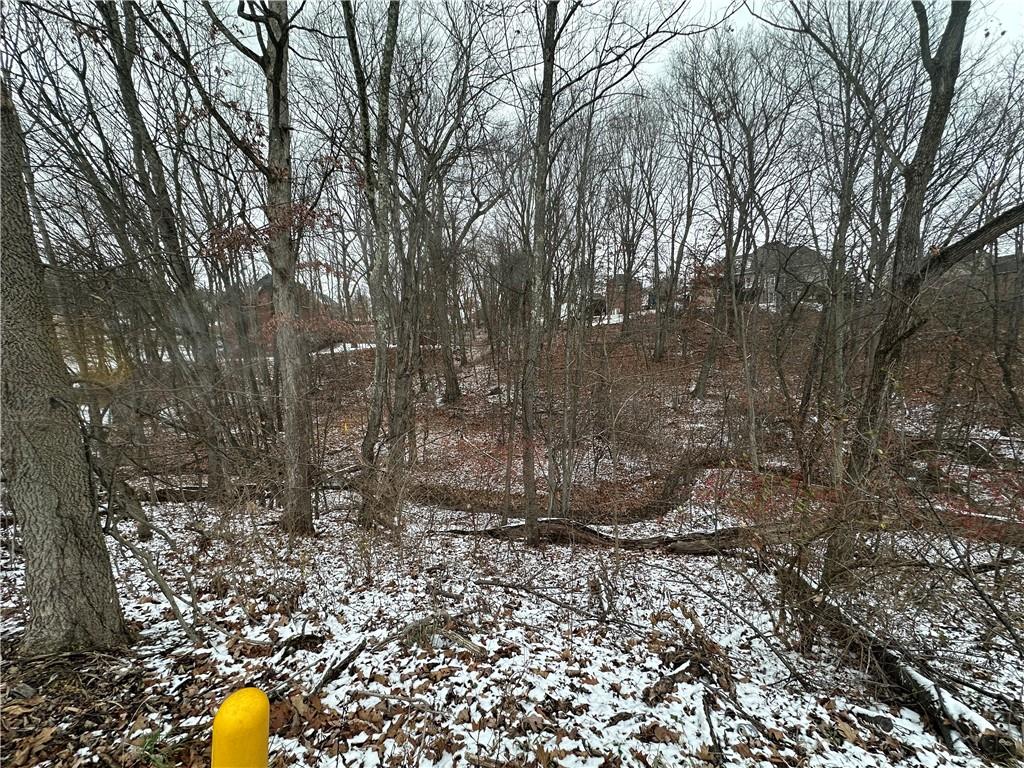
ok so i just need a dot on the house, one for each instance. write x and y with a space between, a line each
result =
249 311
985 281
598 305
706 279
777 274
680 296
1008 278
621 290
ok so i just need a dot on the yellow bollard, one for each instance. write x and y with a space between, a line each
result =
241 730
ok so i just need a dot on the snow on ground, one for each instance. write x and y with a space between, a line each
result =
343 347
551 656
919 419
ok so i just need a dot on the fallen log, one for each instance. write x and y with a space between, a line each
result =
971 450
962 728
965 571
180 495
561 530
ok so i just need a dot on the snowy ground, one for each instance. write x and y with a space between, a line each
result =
552 656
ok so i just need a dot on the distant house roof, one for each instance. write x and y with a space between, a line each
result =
1006 265
983 264
798 261
306 297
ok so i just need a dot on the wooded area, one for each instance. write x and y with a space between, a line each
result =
386 354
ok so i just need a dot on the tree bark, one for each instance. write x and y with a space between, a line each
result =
942 72
281 252
441 275
909 270
538 255
379 197
72 599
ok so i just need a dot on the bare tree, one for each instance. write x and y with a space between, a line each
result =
273 24
374 150
910 266
73 603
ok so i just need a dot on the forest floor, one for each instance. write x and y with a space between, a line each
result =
416 647
637 422
468 651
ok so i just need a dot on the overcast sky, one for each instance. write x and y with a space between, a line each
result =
994 16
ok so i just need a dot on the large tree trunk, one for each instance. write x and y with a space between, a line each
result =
403 417
377 185
942 71
291 350
441 278
535 288
73 603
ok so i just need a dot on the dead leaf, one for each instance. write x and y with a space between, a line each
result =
848 731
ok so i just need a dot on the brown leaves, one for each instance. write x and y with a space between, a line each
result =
533 723
848 731
30 749
94 704
296 714
442 673
659 734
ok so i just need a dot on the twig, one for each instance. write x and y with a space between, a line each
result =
556 601
419 704
334 671
154 573
760 634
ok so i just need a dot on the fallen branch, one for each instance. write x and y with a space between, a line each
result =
961 727
289 645
423 628
742 617
441 623
560 530
965 571
153 572
188 494
464 642
543 596
412 701
334 671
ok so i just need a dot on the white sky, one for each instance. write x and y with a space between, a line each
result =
995 16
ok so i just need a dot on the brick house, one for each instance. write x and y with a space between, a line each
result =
321 320
617 288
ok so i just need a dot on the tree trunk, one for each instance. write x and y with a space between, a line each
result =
719 326
73 603
943 70
535 289
379 197
153 181
403 414
290 348
440 275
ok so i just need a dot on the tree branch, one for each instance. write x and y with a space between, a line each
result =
942 260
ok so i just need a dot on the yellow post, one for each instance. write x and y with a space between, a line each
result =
241 730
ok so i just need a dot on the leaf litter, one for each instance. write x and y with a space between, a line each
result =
415 649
